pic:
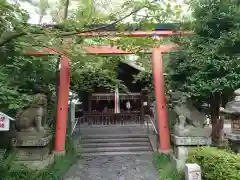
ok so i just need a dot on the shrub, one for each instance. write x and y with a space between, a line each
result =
166 169
216 164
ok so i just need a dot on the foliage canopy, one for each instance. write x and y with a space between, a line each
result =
22 76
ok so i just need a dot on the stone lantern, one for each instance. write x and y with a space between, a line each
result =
233 110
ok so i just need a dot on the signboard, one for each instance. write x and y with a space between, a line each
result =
4 122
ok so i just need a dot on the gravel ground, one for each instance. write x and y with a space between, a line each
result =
127 167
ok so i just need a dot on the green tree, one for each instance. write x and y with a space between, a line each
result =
207 67
16 34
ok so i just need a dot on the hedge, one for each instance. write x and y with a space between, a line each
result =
216 164
166 170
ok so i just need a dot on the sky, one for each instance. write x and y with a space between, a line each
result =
34 16
112 6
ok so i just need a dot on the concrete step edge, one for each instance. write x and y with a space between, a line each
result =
113 144
115 140
114 136
117 149
115 153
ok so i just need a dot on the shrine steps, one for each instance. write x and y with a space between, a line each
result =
114 144
110 130
115 153
114 136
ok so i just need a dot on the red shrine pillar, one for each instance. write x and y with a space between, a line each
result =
162 118
62 109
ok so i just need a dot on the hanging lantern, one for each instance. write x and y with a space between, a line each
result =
128 105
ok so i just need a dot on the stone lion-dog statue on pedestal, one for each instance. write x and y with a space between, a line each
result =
32 119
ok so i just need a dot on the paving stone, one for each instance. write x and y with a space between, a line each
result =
127 167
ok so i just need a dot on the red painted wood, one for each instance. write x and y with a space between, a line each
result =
162 118
135 33
62 110
104 50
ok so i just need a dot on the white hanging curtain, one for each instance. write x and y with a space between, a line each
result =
117 102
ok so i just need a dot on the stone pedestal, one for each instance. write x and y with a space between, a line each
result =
234 136
32 151
182 145
234 140
232 109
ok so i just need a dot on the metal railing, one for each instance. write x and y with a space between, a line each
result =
154 128
150 119
75 125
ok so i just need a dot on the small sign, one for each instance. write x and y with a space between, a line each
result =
145 103
4 122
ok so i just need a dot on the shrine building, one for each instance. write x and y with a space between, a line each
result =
116 107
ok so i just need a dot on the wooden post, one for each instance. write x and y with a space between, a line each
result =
89 108
158 76
141 109
62 110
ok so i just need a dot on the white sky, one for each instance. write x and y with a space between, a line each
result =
34 16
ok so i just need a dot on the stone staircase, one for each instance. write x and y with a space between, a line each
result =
113 141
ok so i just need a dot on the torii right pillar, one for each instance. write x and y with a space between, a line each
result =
161 109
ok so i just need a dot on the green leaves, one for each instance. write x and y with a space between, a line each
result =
91 72
206 64
22 76
216 163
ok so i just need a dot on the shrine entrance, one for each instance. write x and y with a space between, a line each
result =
102 107
158 76
104 111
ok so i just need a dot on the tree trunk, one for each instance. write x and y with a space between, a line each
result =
65 15
217 123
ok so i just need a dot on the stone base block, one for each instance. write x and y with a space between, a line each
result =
235 146
234 140
41 142
178 163
59 153
166 152
191 141
34 165
31 135
233 136
181 152
31 154
192 131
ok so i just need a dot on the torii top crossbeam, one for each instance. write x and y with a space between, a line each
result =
165 33
103 50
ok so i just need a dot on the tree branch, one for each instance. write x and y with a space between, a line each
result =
13 36
10 37
102 27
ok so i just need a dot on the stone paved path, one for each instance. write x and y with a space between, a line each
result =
127 167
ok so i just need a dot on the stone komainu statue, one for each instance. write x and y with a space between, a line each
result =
33 117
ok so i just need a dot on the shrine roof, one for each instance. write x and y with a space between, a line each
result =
134 27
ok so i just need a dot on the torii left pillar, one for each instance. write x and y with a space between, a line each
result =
62 109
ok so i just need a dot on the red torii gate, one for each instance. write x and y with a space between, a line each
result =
158 76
